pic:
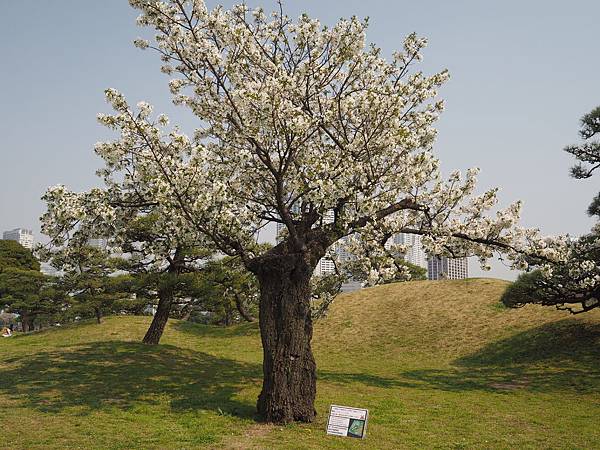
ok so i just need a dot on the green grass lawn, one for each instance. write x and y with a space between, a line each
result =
438 365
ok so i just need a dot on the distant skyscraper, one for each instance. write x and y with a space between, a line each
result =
21 235
414 249
325 267
441 267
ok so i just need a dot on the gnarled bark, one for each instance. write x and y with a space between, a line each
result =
289 369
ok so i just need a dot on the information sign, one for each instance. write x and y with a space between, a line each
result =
346 421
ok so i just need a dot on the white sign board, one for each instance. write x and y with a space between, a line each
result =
346 421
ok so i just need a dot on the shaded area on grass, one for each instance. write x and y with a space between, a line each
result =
125 375
245 329
569 341
362 378
557 356
560 356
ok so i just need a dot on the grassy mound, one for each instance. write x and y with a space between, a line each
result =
438 364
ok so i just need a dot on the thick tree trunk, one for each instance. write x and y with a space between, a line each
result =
289 369
98 313
159 321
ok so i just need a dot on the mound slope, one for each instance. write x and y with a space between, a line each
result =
438 364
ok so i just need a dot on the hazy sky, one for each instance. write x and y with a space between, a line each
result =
522 74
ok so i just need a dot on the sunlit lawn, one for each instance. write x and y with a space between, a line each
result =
438 365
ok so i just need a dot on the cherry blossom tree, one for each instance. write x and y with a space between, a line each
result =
307 126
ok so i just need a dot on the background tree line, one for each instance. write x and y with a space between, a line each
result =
92 284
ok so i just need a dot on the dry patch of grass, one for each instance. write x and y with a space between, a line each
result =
248 440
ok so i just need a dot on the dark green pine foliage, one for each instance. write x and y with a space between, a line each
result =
93 284
588 153
24 290
571 285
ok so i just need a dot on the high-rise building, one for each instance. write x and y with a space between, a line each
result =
442 267
21 235
414 249
325 267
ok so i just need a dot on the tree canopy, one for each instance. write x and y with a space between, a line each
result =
24 290
299 124
90 282
587 153
571 285
13 254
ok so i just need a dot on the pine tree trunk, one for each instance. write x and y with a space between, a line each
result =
227 316
24 323
98 313
166 293
240 307
289 369
159 321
